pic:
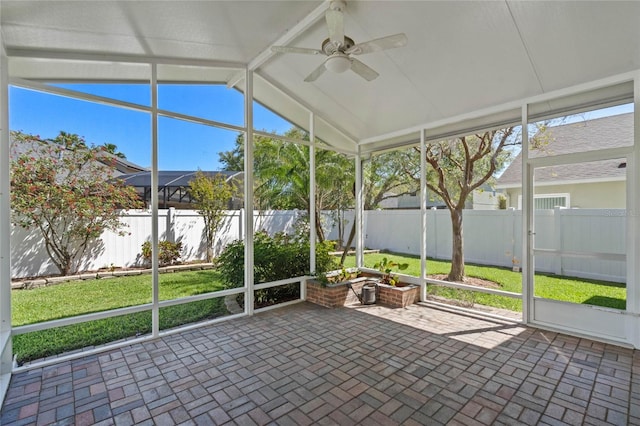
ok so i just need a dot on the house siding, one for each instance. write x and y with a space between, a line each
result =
601 195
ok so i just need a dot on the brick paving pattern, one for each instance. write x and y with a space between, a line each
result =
368 365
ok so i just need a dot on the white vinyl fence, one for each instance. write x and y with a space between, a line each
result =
29 257
491 237
585 243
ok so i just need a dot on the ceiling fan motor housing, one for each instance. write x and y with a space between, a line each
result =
329 48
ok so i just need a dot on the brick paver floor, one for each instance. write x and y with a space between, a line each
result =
364 365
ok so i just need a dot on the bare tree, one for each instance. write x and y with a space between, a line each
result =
459 167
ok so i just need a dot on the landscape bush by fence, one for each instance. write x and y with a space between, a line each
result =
491 237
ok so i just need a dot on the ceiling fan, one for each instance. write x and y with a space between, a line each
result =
340 49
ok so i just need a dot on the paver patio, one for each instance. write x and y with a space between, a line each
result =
368 365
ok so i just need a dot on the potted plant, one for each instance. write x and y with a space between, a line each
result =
340 275
385 266
390 291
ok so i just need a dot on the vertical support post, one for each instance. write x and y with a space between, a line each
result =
527 222
359 211
6 349
633 223
312 195
171 224
434 211
155 310
423 217
558 245
248 193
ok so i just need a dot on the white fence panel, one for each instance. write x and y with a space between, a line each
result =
124 251
489 237
592 230
547 236
29 257
187 227
439 234
495 238
274 221
393 230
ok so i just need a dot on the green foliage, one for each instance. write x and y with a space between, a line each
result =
275 258
66 191
386 266
169 252
502 202
387 176
282 175
337 276
233 160
113 150
212 195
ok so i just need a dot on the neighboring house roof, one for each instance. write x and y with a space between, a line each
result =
173 186
589 135
171 178
122 165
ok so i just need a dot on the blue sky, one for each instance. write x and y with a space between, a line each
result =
182 145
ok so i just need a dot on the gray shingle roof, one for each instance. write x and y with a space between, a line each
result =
608 132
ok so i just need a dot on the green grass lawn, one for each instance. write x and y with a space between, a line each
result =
576 290
83 297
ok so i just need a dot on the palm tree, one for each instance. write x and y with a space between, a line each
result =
282 178
112 149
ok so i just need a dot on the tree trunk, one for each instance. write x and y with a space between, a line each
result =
347 246
319 231
66 266
457 250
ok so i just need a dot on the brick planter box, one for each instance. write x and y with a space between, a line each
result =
335 295
399 296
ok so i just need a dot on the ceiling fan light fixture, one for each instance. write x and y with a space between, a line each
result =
338 63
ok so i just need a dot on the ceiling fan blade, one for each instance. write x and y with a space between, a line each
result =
304 50
335 23
316 73
363 70
384 43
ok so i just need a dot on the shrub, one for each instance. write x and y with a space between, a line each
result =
169 252
275 258
502 202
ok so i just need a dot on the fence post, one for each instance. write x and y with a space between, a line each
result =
435 232
557 227
514 233
171 222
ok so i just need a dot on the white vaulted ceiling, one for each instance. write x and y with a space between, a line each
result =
461 56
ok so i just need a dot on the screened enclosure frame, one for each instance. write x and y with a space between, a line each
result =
581 97
155 113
